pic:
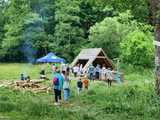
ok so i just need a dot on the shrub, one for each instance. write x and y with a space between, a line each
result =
108 35
138 49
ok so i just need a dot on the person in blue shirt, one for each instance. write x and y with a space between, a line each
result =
91 72
97 71
58 81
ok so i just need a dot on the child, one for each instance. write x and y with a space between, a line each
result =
86 82
79 85
66 87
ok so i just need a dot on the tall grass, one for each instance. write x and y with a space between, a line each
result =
135 99
99 102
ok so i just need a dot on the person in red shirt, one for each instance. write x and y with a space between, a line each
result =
85 82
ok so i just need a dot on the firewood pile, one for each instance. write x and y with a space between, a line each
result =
35 86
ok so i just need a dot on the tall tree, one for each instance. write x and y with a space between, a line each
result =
139 8
92 12
15 14
2 21
29 23
68 35
155 8
45 10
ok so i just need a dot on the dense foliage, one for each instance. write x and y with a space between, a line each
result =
109 33
32 28
68 35
139 47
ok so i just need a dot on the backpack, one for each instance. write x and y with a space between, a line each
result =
56 81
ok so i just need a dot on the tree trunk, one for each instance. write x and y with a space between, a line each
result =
154 8
157 59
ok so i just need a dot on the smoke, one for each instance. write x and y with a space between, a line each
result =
29 52
33 29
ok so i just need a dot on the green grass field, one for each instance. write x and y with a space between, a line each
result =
13 71
135 99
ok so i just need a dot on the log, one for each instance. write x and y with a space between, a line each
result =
35 85
37 81
32 86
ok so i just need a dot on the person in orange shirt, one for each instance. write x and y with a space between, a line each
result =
85 82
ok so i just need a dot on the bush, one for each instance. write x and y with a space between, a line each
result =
138 49
108 35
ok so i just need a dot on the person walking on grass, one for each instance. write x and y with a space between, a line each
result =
109 76
86 82
66 87
58 81
79 86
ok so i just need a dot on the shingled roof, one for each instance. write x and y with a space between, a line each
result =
92 56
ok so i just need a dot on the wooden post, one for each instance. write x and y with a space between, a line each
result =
154 8
157 58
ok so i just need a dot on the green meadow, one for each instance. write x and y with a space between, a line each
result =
135 99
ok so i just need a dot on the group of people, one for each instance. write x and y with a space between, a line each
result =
98 73
61 82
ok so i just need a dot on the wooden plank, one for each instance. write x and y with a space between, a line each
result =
101 57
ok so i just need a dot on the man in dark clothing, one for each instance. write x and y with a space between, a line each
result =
79 85
42 74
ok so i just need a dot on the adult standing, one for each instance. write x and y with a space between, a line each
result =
76 70
103 73
63 67
97 71
91 71
81 70
53 68
109 76
58 81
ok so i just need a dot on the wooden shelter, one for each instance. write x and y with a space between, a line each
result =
92 56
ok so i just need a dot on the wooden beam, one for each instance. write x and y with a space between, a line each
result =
101 57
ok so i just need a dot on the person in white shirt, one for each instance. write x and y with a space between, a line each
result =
103 73
75 70
109 76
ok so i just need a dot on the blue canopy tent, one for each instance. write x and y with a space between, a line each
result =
51 58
